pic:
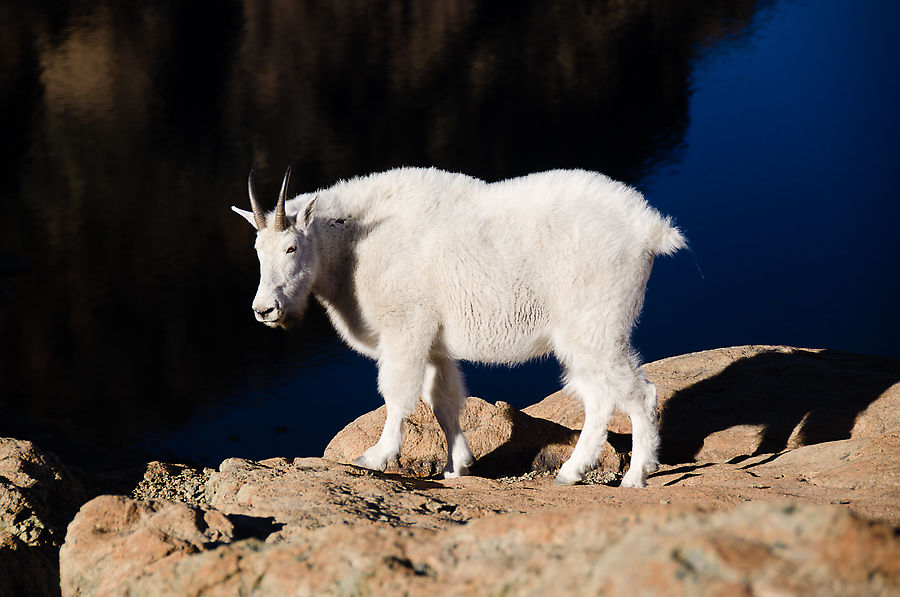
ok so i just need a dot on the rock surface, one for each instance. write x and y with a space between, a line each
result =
114 539
752 549
793 490
38 498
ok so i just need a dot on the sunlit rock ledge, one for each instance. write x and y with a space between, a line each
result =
780 474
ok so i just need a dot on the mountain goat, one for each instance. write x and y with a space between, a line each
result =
420 268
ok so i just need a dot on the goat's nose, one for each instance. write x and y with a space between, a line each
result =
263 312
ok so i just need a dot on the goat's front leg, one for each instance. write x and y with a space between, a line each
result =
401 375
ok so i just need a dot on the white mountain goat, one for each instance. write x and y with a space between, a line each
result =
419 268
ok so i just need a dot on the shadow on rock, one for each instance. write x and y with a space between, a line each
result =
791 398
529 447
538 445
258 527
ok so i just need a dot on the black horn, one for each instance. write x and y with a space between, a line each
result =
254 204
280 219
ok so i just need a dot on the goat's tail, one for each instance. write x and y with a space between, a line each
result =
667 238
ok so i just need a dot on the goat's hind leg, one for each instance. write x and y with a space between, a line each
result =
599 406
640 405
445 393
601 388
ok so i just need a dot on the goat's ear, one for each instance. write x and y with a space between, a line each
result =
309 212
247 215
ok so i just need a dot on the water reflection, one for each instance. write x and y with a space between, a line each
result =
126 282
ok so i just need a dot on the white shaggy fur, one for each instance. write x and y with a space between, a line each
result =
419 268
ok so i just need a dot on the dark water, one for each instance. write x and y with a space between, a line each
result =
768 129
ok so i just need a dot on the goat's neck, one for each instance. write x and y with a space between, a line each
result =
334 277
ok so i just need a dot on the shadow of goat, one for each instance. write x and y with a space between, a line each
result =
822 392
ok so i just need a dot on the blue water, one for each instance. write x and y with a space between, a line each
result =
768 130
786 188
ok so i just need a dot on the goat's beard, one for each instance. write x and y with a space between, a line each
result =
294 316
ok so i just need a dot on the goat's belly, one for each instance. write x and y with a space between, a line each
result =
502 342
494 316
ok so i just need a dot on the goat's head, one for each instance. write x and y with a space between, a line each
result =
287 257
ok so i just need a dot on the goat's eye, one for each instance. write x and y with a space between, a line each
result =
291 250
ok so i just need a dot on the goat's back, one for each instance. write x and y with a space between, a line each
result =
558 209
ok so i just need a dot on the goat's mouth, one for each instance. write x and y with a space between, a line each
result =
285 322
